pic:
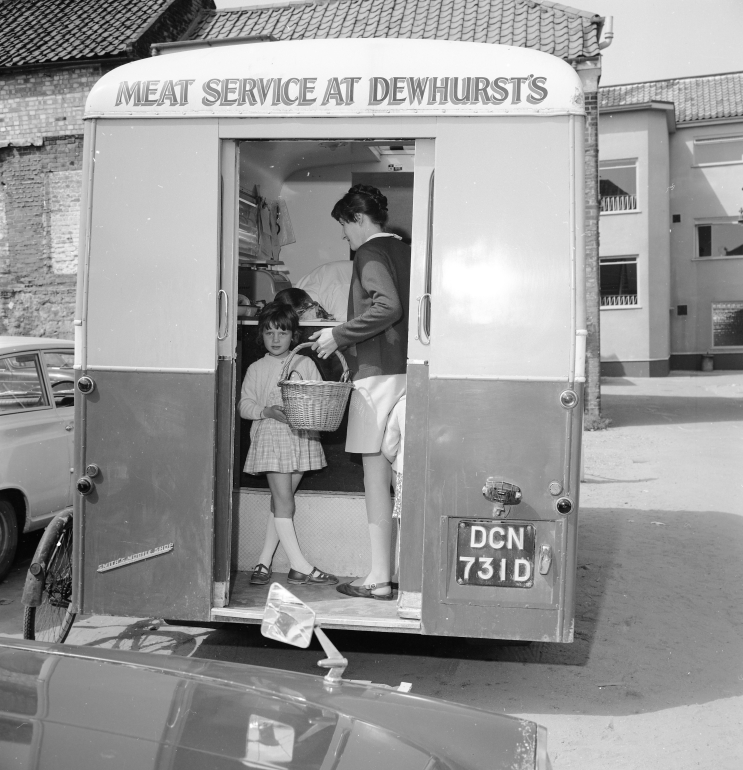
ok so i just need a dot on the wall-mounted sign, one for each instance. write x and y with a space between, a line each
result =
727 324
341 77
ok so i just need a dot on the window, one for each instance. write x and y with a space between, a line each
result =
61 376
618 277
720 240
618 185
727 324
21 385
718 149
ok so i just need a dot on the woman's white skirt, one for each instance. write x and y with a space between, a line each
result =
371 404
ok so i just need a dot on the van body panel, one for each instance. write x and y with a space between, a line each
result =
515 432
155 238
152 436
501 285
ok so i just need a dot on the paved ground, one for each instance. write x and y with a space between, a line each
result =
654 678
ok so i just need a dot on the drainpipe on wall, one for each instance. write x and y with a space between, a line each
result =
589 71
607 33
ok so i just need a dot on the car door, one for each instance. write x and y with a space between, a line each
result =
61 378
34 454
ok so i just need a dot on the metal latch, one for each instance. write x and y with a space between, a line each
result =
502 493
545 559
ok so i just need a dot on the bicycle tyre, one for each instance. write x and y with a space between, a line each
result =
52 620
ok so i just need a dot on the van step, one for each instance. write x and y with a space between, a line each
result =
334 610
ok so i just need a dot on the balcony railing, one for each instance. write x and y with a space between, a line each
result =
618 203
618 300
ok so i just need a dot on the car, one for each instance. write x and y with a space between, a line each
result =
86 708
36 436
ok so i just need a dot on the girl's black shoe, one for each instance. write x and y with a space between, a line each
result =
261 575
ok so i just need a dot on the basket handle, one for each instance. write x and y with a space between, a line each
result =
287 364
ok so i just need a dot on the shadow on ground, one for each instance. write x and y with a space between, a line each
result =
658 624
636 410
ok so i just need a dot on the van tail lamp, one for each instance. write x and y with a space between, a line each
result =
86 385
85 485
564 506
545 559
92 470
502 493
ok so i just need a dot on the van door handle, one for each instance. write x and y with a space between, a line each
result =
220 294
422 336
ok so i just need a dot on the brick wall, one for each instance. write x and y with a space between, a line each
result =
38 236
44 102
41 143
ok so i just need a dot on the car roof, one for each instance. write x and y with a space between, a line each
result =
21 344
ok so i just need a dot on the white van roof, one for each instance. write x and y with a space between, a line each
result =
341 77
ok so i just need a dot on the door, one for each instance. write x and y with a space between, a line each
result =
501 354
150 332
34 436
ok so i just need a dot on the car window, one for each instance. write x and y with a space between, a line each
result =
21 384
61 376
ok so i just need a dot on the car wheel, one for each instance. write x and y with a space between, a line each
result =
8 537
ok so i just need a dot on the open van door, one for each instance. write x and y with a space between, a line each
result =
150 316
502 452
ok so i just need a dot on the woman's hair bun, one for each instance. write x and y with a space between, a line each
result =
374 193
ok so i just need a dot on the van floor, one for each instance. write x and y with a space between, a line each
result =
334 610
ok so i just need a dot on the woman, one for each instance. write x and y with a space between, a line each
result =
378 328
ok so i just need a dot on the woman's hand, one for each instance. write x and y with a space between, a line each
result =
325 343
274 413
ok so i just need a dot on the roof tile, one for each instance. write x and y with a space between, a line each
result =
33 32
709 97
544 25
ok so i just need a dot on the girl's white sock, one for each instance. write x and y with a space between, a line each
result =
270 543
290 544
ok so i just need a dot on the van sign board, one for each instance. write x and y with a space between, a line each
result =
346 77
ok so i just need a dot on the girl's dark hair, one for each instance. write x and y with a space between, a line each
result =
301 301
361 199
297 298
278 316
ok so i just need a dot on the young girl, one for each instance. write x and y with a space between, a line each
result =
276 449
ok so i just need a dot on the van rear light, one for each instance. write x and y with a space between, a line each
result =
86 385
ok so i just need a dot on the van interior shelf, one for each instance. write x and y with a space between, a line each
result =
254 322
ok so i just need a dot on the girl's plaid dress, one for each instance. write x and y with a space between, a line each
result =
274 446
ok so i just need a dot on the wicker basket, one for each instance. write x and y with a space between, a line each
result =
314 404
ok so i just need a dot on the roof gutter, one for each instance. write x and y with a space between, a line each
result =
179 45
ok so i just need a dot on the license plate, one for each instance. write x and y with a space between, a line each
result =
495 554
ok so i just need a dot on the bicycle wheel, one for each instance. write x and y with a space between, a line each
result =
52 619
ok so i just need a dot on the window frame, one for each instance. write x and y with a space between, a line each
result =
622 259
721 139
43 381
711 222
619 163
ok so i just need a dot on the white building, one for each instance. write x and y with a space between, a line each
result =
671 226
